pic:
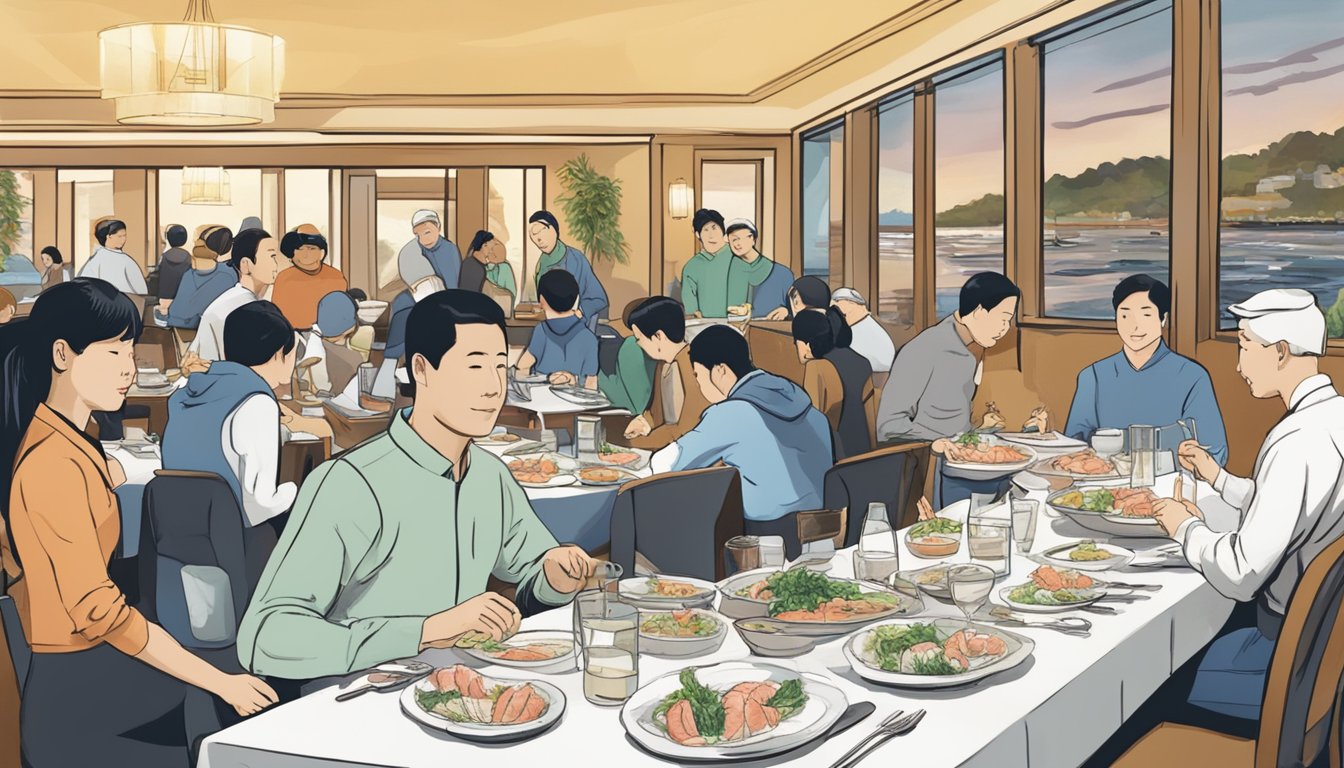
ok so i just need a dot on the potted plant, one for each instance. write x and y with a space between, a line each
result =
592 208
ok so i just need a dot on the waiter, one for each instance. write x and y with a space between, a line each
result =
1292 509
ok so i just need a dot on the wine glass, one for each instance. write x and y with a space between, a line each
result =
970 586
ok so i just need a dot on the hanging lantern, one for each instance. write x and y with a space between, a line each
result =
680 201
205 186
194 72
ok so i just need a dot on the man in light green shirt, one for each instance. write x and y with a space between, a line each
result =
704 279
389 546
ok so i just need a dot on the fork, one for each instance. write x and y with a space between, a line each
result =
882 728
886 733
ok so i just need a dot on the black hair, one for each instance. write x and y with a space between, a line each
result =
176 235
83 311
54 253
245 245
107 228
482 237
822 330
812 291
721 345
740 225
431 326
292 241
254 332
659 313
1157 291
987 290
559 289
218 240
358 294
706 216
547 218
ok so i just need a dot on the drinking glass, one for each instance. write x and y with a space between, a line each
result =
877 558
743 553
1108 442
608 647
989 537
1143 456
771 551
1024 524
605 576
970 586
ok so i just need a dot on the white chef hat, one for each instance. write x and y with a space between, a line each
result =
423 215
739 224
849 294
1284 314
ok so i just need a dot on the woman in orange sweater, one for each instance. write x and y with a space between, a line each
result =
97 662
836 379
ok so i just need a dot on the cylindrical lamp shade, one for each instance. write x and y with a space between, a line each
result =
191 73
680 199
205 186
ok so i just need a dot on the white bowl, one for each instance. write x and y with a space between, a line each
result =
370 310
682 647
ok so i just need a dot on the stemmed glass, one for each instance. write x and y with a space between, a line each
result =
970 586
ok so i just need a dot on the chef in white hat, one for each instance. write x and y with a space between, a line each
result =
1290 511
428 254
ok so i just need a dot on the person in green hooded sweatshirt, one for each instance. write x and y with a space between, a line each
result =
704 279
544 231
629 383
754 278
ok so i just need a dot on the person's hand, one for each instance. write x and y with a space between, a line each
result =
925 509
941 446
247 695
1170 513
638 427
488 613
116 472
992 420
192 363
1194 458
778 313
1040 419
561 379
567 568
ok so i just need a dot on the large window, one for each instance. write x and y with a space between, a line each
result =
1282 201
732 189
968 176
515 194
1106 155
822 228
91 193
896 210
308 198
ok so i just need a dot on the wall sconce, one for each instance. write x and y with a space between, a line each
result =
205 186
680 201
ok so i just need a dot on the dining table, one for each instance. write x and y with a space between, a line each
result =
1053 709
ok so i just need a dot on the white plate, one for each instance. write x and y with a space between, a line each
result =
1052 440
1120 557
558 481
1046 467
1090 595
562 662
589 398
989 471
738 607
635 591
1019 650
625 476
825 704
682 647
487 733
1108 523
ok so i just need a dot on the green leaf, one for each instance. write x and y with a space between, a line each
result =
592 208
430 699
789 698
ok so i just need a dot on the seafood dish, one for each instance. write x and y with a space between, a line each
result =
460 694
1088 556
1085 462
1089 552
662 593
807 596
687 623
1055 587
939 537
609 455
538 471
696 715
673 588
919 649
502 437
1125 502
601 475
524 651
972 448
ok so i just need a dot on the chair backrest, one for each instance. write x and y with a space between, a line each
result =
20 653
199 564
182 337
1302 689
608 348
679 521
882 476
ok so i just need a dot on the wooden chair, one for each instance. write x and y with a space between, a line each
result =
884 475
1304 690
679 521
183 337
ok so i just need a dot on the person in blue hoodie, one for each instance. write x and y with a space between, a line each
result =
760 423
235 400
562 347
544 231
205 281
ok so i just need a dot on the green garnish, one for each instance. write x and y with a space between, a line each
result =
430 699
970 438
933 665
789 698
804 590
935 526
1098 501
706 706
887 643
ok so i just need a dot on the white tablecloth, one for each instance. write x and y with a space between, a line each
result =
1053 710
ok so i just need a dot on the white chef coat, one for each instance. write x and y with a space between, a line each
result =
1291 511
873 342
209 341
116 268
251 439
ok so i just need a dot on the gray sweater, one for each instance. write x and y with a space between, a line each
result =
932 383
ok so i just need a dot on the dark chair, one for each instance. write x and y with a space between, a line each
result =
678 521
20 654
884 475
1299 720
608 347
199 563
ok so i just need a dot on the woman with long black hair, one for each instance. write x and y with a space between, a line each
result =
838 379
96 661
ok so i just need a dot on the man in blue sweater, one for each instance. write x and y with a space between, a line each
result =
1145 382
563 348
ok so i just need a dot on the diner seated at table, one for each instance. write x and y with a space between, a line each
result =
807 292
677 402
235 399
754 278
630 385
173 264
544 231
362 573
54 269
298 289
208 278
1145 382
486 267
838 379
562 347
255 258
429 252
1290 511
139 697
760 423
109 262
704 279
329 342
870 339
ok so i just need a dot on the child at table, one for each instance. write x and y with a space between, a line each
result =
562 346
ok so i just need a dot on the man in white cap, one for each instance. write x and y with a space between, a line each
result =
870 339
1292 509
429 253
753 278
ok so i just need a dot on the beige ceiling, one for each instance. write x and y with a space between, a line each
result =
490 47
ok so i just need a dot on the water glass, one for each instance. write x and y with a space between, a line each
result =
989 538
877 559
1108 442
1024 523
742 553
970 586
367 375
772 551
1143 455
608 647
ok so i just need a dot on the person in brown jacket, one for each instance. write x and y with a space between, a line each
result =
659 326
838 379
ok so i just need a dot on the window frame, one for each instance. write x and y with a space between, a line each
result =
835 253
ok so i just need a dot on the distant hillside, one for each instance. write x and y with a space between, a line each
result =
1137 187
896 219
984 212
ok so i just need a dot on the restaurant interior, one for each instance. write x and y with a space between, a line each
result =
896 149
